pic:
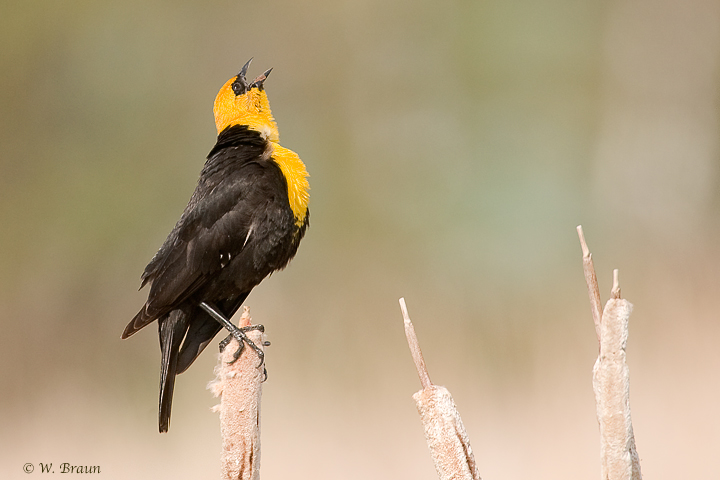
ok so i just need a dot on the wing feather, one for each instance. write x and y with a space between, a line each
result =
213 229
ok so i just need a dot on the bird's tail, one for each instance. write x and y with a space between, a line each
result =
171 329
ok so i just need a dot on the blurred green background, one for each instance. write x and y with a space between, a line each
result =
453 148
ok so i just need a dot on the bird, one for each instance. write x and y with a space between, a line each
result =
244 221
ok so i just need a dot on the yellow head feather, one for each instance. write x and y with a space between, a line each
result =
252 108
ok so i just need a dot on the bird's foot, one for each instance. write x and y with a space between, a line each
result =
239 334
236 332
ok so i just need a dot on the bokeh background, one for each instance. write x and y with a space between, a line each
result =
453 146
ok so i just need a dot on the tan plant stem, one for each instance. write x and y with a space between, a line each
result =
444 430
239 386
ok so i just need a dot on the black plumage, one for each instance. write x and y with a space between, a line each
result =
237 228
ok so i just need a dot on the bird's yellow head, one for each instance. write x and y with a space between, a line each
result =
241 103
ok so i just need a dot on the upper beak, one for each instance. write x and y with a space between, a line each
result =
243 70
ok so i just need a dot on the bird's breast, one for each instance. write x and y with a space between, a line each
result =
293 169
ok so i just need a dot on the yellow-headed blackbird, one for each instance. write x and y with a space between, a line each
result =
245 220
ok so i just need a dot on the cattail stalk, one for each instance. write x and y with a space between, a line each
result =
611 377
444 430
239 386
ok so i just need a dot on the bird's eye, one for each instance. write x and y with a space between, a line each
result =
239 88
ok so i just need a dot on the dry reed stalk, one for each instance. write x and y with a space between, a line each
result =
239 386
611 378
611 382
591 281
444 431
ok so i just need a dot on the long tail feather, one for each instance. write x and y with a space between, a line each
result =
171 329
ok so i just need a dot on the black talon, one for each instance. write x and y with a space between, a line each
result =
224 342
241 337
237 333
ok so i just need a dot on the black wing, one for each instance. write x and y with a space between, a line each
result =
214 227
